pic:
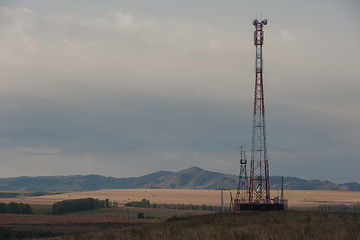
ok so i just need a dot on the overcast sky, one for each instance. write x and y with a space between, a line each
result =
125 88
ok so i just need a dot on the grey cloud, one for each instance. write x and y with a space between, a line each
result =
123 91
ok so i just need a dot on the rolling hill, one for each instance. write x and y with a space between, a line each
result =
191 178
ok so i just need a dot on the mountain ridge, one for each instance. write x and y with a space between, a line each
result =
191 178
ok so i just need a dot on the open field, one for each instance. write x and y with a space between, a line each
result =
290 225
113 223
65 219
67 223
156 213
298 199
93 221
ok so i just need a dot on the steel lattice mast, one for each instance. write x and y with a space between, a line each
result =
259 187
242 193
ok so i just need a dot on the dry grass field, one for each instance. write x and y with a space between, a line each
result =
66 219
90 221
298 199
291 225
68 224
113 223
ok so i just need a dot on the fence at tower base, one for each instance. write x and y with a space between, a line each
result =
239 206
259 207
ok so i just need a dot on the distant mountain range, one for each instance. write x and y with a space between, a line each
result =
192 178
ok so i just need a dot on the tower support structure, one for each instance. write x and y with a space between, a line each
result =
242 193
243 184
257 193
259 186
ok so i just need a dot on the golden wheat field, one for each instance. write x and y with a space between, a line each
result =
297 198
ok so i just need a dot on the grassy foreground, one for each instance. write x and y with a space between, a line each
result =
250 225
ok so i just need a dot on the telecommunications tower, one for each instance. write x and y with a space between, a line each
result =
259 187
243 184
242 193
256 196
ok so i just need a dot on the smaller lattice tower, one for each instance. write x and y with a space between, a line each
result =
242 193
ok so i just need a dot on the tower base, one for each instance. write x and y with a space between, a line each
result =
259 207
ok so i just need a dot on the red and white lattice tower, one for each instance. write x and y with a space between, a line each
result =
259 186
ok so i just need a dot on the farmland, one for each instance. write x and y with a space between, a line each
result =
298 199
94 221
118 220
249 225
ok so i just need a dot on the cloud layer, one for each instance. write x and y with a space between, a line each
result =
126 92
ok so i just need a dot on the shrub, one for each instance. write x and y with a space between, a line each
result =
75 205
143 203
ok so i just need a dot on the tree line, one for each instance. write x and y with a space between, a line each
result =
15 208
144 203
82 204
